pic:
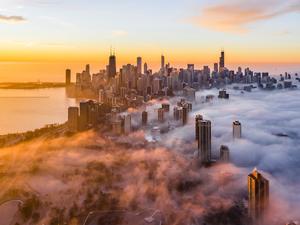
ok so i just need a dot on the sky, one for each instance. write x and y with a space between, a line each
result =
256 32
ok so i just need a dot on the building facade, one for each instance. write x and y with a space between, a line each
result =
236 129
258 194
204 141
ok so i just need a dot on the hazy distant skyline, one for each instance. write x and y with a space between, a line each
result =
185 31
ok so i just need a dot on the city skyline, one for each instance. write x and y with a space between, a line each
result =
149 112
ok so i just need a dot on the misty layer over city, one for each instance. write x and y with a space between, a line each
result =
270 138
139 178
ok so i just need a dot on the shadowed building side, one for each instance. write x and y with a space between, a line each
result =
204 141
224 153
73 119
197 119
258 194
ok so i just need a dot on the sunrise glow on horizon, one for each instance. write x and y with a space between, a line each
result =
192 31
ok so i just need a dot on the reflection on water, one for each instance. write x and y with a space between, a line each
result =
23 110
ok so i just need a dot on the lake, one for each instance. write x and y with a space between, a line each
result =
23 110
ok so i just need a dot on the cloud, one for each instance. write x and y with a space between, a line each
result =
270 127
12 19
163 176
119 33
235 16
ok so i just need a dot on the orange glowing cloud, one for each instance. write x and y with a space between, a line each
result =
12 19
234 16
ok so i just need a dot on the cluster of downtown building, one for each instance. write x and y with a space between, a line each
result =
136 84
133 85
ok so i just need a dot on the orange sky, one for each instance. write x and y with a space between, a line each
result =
256 32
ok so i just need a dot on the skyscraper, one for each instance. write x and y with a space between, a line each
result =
216 67
87 68
73 119
145 68
144 118
237 129
185 114
160 115
139 65
68 77
162 62
112 67
117 127
204 141
258 194
197 119
176 113
224 153
222 61
84 116
166 107
127 124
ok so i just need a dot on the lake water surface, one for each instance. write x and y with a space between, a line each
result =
23 110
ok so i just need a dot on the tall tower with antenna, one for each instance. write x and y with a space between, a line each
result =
222 60
112 66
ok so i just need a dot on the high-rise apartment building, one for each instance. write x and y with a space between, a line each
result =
144 118
166 107
117 127
222 61
160 115
185 114
237 129
176 115
87 69
162 62
204 141
224 153
145 68
216 67
139 65
68 77
197 120
127 124
258 195
73 119
84 116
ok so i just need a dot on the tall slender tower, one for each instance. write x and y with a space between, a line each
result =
160 115
144 118
87 68
258 194
224 153
145 68
68 77
204 141
112 66
139 65
162 62
197 120
236 129
222 61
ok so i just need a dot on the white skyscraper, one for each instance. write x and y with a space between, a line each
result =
237 129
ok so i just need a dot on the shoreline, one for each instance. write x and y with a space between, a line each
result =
48 131
31 85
